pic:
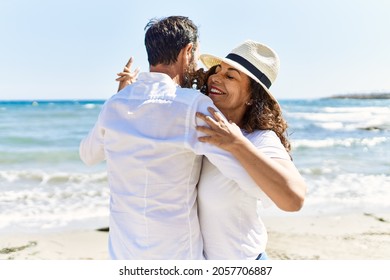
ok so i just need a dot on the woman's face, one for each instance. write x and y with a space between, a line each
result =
229 90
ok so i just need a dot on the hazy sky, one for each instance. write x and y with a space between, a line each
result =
72 49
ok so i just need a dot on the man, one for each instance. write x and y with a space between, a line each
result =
146 133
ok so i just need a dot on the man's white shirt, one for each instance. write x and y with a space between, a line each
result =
146 133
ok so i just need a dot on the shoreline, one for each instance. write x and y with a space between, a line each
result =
291 237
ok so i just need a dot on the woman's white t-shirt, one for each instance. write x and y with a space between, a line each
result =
229 215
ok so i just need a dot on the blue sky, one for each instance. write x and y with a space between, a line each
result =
72 49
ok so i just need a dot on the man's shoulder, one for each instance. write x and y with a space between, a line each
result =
187 91
190 93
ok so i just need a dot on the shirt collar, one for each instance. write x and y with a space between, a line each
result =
156 77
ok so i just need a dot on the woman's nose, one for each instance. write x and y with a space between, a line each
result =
215 78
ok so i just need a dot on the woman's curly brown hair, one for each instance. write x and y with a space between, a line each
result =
264 113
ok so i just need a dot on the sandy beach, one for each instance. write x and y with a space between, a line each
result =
364 236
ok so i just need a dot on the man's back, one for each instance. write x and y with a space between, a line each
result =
152 171
147 135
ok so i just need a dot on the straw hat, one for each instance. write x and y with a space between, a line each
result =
256 60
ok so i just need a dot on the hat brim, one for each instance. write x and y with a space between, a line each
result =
209 61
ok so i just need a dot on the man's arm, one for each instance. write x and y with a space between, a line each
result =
91 148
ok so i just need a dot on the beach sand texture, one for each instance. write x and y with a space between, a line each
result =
344 237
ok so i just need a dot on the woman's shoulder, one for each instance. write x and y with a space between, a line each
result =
269 143
261 136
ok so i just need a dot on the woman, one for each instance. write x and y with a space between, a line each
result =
255 134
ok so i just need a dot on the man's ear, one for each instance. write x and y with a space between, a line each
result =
188 50
185 56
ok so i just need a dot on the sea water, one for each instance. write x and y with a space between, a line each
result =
340 146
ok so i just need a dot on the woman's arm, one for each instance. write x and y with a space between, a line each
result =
278 178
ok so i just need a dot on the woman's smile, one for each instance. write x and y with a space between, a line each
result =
215 90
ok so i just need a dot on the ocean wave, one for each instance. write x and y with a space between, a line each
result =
82 200
371 125
331 125
89 106
337 192
370 109
38 200
347 142
40 177
348 118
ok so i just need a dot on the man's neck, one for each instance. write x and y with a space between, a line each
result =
171 70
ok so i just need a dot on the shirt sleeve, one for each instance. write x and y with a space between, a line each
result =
227 164
91 149
269 144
